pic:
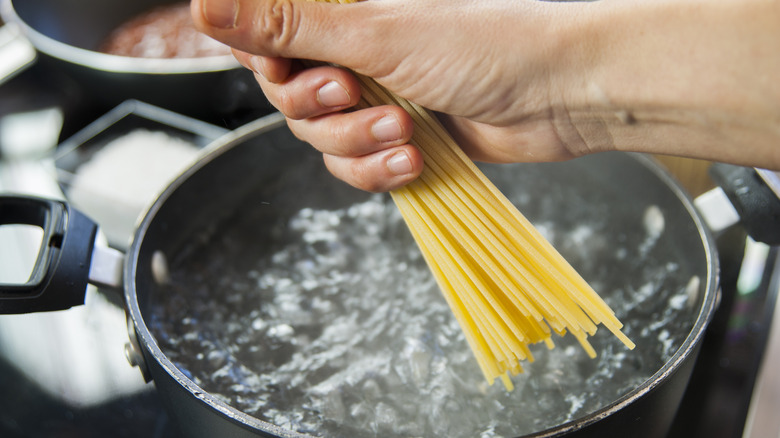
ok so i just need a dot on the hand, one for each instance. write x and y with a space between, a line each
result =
515 80
478 86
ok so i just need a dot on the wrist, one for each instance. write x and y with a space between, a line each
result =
581 103
655 77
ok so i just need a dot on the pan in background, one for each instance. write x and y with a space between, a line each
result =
67 33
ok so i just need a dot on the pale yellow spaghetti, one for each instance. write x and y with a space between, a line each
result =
505 283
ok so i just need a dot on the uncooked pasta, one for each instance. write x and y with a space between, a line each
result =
505 283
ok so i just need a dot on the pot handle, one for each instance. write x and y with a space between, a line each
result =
59 278
754 200
744 195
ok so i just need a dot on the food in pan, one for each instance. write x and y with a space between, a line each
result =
163 32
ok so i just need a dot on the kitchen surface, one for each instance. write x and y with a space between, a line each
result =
65 374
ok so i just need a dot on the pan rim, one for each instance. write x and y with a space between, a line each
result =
114 63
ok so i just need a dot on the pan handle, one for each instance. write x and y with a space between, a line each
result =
753 198
59 278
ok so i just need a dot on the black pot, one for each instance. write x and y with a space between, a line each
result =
264 165
68 33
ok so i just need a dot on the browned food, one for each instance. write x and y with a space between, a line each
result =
163 32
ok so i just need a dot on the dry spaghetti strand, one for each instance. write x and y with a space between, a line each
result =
506 285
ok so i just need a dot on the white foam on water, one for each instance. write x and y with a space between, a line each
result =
338 329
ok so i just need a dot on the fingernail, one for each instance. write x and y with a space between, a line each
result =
332 95
399 164
386 129
221 13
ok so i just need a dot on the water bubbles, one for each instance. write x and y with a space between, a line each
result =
336 327
692 291
654 224
418 359
385 417
653 221
576 401
332 407
217 358
282 332
258 324
678 301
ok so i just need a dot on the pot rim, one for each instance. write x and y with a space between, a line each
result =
114 63
709 300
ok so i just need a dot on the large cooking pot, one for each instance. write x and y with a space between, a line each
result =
261 294
67 34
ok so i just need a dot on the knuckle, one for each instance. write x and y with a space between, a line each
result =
341 136
286 104
279 23
357 172
286 100
365 178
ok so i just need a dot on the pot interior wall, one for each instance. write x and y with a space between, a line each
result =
276 267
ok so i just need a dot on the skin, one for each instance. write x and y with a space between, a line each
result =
516 80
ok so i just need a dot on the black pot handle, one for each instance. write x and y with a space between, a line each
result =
61 273
755 202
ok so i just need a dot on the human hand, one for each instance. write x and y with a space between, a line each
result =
515 80
436 53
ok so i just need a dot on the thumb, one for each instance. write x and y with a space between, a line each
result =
297 29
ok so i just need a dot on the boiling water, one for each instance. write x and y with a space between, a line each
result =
327 322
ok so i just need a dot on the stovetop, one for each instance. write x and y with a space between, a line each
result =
717 402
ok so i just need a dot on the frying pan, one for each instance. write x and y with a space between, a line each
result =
223 251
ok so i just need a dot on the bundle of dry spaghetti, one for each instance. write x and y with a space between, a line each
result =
505 283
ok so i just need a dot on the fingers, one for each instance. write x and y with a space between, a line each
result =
293 29
358 133
368 148
379 172
273 69
312 92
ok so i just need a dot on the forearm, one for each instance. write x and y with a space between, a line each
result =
693 78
